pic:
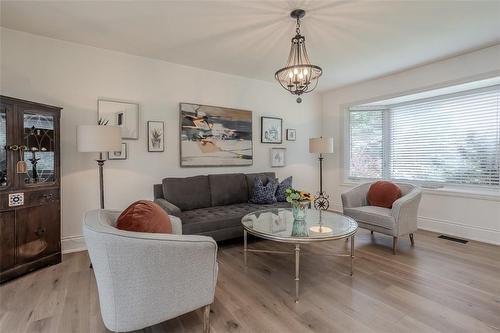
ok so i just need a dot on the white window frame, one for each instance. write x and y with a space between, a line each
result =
386 146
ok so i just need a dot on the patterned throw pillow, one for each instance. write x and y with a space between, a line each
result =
264 194
282 187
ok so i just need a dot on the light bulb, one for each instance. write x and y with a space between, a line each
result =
305 71
290 75
295 71
301 76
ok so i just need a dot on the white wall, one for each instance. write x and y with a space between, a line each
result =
74 76
473 216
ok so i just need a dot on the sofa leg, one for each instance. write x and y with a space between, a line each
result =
394 244
206 319
412 240
371 232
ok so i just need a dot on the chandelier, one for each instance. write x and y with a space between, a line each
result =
298 76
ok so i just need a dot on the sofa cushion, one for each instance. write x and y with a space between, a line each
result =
206 220
383 194
374 215
264 194
187 193
264 176
227 189
282 187
144 216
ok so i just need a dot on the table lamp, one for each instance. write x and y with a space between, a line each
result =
99 139
321 146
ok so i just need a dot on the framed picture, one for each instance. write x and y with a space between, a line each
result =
271 130
118 155
156 136
215 136
278 157
291 134
122 114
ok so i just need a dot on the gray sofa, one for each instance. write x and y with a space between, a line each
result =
211 205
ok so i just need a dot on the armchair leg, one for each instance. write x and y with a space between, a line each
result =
412 240
394 244
206 319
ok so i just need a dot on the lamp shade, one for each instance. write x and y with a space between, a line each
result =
321 145
98 138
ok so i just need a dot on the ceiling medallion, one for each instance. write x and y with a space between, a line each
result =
298 76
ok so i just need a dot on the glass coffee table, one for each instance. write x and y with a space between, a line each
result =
278 225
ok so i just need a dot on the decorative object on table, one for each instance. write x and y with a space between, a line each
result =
264 194
99 139
298 76
299 228
119 154
156 136
215 136
321 146
300 201
30 218
271 130
278 157
122 114
291 134
282 187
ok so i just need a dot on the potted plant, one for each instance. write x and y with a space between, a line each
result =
300 201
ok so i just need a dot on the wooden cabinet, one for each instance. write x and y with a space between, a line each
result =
30 211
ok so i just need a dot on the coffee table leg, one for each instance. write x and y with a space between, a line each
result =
297 268
352 251
245 246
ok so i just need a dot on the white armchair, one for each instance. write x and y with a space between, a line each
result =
147 278
396 222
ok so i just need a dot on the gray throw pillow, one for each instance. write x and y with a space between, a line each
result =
282 187
264 194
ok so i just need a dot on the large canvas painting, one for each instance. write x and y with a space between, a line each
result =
215 136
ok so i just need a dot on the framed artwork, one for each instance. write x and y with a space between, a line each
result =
121 114
118 155
278 157
271 130
215 136
291 134
156 136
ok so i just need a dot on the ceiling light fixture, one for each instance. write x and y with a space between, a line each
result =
298 76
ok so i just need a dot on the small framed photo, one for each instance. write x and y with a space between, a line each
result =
118 155
278 157
291 134
271 130
156 136
121 114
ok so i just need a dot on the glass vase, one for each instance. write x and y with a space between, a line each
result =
299 210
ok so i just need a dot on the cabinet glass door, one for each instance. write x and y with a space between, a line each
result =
3 151
39 141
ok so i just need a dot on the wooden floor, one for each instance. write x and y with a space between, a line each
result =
436 286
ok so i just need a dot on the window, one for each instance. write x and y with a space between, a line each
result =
453 138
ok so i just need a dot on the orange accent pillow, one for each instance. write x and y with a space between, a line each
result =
383 194
144 216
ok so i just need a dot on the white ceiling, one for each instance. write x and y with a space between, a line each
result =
352 41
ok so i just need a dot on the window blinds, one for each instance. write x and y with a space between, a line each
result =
448 139
451 139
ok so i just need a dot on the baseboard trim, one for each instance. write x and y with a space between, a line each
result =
484 235
73 244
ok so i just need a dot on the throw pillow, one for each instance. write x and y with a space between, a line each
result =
264 194
282 187
144 216
383 194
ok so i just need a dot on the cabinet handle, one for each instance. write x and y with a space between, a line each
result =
40 231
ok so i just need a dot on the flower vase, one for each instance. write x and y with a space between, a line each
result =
299 228
299 210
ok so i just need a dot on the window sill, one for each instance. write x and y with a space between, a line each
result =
452 191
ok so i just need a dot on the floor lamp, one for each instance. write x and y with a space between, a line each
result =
99 139
321 146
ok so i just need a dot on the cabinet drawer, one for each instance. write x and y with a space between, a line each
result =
31 198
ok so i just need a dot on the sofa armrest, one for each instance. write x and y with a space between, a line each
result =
405 211
355 197
170 208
